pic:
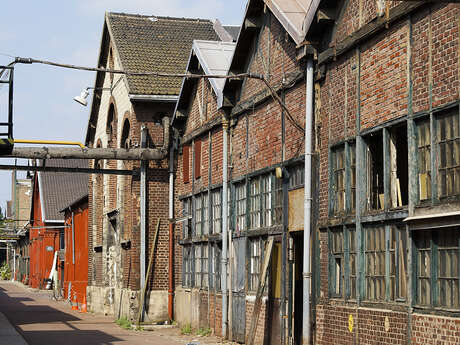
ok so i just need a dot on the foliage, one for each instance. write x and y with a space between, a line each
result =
186 329
124 323
204 332
5 272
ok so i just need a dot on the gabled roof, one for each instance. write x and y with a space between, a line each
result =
295 16
233 31
214 58
57 190
149 44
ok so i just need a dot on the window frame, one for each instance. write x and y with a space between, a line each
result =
430 242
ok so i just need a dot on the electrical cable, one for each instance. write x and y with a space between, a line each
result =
169 75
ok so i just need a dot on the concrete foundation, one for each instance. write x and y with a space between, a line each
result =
124 303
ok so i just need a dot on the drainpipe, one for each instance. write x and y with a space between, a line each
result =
171 233
307 204
224 224
143 207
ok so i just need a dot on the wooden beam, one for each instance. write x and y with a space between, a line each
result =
260 290
370 29
140 314
86 153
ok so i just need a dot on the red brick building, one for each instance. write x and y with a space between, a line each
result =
262 137
124 210
387 89
385 240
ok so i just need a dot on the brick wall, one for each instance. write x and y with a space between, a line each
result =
423 48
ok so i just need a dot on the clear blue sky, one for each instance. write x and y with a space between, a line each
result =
70 32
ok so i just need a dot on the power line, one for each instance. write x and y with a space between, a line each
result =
169 75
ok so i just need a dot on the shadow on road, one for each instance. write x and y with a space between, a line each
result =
40 323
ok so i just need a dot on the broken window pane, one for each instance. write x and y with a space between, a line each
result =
424 158
216 211
423 244
255 262
337 253
198 215
375 170
240 206
338 172
399 173
254 203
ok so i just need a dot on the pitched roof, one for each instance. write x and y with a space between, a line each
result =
215 58
233 31
58 190
162 44
296 16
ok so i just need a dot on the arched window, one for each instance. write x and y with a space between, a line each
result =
125 141
110 121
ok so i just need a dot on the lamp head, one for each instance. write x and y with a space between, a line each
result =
82 98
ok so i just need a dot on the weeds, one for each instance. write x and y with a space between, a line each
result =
124 323
186 329
204 332
5 272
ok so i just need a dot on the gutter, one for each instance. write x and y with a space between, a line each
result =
154 98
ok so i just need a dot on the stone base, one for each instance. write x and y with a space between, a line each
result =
124 303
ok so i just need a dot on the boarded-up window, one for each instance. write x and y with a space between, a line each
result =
185 163
197 158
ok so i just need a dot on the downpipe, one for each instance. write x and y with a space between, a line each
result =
306 327
224 226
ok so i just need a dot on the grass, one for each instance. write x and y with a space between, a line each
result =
204 332
186 329
124 323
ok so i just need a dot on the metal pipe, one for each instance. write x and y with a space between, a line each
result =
143 207
306 339
49 142
224 225
10 105
68 170
171 234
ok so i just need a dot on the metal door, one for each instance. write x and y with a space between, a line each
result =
238 289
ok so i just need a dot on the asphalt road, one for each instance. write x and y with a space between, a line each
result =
41 320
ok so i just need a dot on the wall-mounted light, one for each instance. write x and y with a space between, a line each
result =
85 93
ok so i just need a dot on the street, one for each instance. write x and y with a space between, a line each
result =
41 320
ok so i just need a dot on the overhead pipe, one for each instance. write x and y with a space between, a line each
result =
96 153
306 328
224 225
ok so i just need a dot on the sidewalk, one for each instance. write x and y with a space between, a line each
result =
40 320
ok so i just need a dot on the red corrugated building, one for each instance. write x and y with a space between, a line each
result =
76 250
52 191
